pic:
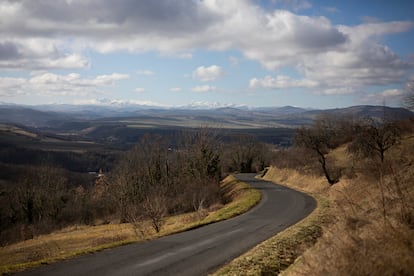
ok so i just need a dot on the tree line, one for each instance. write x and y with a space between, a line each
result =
364 138
160 175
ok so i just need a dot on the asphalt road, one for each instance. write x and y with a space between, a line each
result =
199 251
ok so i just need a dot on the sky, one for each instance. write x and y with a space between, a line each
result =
206 53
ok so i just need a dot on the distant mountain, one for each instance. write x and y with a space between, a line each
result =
363 111
20 115
61 125
284 110
83 116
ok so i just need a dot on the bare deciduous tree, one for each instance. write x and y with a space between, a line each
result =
409 96
325 134
375 138
246 154
41 193
153 173
201 168
155 209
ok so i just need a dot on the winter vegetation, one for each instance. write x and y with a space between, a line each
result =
364 221
55 204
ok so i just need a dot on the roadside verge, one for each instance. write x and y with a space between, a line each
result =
276 254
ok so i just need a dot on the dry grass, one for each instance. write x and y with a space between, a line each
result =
369 236
241 198
77 240
62 244
294 179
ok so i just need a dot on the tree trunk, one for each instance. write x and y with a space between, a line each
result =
322 160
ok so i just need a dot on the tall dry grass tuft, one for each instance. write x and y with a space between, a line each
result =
371 236
297 180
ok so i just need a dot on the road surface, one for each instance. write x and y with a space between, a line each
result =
199 251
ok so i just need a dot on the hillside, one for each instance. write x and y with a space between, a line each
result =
121 126
363 224
60 116
371 229
31 117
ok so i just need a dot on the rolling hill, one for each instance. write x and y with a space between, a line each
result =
122 126
53 116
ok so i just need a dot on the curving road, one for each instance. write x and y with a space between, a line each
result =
199 251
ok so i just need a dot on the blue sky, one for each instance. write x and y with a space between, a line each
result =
319 54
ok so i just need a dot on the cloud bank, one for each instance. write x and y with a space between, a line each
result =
46 84
45 35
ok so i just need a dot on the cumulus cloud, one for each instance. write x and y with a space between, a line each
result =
204 88
210 73
140 90
37 54
167 26
360 62
280 82
234 61
54 84
10 87
209 105
389 96
116 102
145 73
8 51
340 59
176 89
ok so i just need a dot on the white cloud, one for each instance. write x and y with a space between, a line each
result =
116 102
389 96
340 59
140 90
356 64
409 86
38 53
210 73
234 61
392 93
145 72
204 88
211 105
280 82
176 89
10 87
54 84
360 62
102 80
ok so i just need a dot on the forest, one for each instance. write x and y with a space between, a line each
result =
44 190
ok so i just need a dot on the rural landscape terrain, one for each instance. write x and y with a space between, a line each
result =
78 179
206 137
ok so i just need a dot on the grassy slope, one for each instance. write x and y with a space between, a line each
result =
370 225
79 240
